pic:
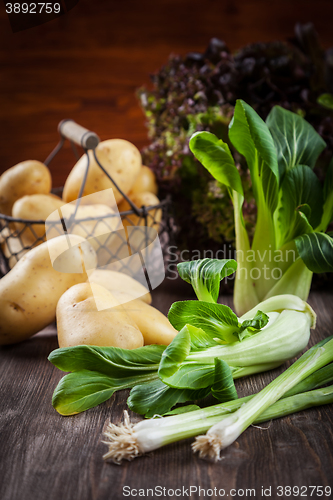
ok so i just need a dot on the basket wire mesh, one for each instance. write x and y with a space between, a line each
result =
117 247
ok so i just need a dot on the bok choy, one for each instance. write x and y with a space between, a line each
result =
128 441
213 347
293 209
206 358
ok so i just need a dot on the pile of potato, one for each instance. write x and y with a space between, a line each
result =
58 278
25 193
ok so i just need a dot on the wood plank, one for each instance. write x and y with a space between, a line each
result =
87 64
45 455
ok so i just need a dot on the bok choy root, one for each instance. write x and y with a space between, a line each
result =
297 388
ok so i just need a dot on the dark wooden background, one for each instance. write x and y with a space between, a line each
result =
87 65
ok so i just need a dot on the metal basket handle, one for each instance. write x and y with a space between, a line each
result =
88 140
81 136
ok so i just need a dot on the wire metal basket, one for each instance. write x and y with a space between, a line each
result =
18 236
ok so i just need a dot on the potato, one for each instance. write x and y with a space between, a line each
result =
35 207
154 326
30 291
11 246
28 177
94 222
118 283
120 158
136 233
146 181
142 199
81 322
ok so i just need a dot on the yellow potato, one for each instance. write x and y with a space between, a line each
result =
136 233
28 177
121 252
35 207
142 199
11 246
91 222
90 315
30 291
120 158
154 326
119 283
146 181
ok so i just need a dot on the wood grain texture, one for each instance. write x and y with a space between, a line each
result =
45 455
87 64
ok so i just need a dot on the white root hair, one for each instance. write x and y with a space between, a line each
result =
208 446
121 441
263 428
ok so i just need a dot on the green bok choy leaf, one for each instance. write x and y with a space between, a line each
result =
293 209
198 362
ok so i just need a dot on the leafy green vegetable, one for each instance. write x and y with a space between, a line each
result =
219 154
182 409
79 391
293 210
326 100
223 388
156 398
191 93
251 137
194 365
229 428
212 348
316 250
251 326
284 337
230 418
296 141
111 361
328 197
205 275
177 351
97 372
214 319
301 204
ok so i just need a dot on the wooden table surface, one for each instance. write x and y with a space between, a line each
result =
47 456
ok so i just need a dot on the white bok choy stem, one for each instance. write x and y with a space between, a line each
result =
227 431
128 441
282 339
